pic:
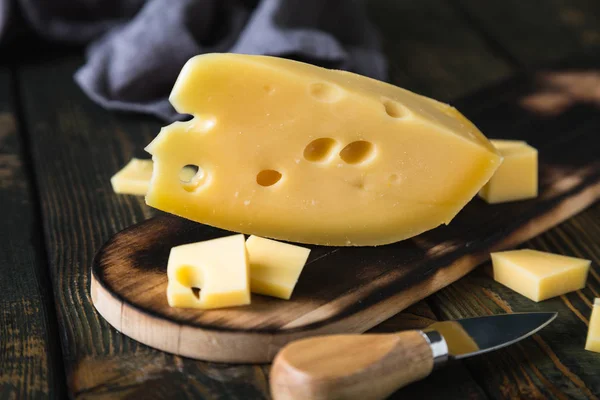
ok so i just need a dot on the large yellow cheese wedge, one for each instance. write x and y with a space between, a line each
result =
539 275
296 152
218 267
592 341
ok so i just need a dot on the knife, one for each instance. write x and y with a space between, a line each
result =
373 366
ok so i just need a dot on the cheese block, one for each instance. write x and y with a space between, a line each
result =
218 267
134 177
517 177
300 153
592 342
274 266
539 275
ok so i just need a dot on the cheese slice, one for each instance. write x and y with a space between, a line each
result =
218 267
300 153
517 177
274 266
592 342
539 275
134 177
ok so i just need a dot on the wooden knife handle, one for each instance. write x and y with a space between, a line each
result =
369 366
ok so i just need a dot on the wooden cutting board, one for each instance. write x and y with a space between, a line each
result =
344 290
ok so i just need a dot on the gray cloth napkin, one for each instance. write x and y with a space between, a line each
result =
136 48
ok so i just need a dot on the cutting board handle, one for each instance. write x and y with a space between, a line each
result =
369 366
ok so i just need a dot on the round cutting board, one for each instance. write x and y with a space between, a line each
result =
340 290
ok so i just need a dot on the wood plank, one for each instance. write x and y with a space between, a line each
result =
536 33
432 51
30 358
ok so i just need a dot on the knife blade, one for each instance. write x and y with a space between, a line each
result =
372 366
472 336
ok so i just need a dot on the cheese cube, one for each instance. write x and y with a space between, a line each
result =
134 178
592 342
539 275
517 177
274 266
300 153
218 267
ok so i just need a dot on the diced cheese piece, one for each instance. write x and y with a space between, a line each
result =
539 275
274 266
592 342
218 267
517 177
296 152
134 178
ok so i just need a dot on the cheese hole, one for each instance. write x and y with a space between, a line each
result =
325 92
191 177
268 89
196 292
185 275
393 178
357 152
268 177
319 149
393 109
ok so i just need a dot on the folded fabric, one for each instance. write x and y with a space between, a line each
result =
136 48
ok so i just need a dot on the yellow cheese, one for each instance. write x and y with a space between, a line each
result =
274 266
300 153
218 267
517 177
134 178
539 275
592 342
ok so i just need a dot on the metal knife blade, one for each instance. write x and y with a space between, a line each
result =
472 336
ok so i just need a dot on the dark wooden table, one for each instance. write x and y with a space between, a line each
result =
58 151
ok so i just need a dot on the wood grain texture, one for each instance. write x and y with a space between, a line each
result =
534 33
30 363
431 50
368 366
